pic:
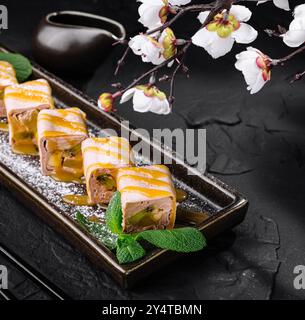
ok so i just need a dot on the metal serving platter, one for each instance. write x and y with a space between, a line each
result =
212 206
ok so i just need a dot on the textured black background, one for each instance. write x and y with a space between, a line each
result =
255 143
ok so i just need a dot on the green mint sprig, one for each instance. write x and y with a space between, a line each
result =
128 247
20 63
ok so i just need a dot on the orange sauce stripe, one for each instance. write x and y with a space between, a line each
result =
150 193
106 152
113 142
23 96
61 122
74 111
155 174
27 92
150 181
50 134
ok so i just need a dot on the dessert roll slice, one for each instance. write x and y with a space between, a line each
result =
148 198
7 78
60 134
23 103
102 158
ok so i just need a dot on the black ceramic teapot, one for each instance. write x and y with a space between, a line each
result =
73 42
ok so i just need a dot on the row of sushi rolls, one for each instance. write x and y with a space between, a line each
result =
67 153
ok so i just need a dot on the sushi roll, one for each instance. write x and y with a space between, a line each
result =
7 78
102 158
60 134
23 103
148 198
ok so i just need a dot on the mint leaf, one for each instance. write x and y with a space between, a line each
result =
20 63
128 249
98 230
114 214
180 240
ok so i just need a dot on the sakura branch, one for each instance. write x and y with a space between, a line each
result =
222 23
164 10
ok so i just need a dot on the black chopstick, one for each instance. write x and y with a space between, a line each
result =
33 275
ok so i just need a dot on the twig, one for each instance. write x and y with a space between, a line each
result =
298 77
276 62
121 62
171 97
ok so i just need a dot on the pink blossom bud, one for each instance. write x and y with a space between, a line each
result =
106 102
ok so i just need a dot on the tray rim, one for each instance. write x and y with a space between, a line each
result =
239 203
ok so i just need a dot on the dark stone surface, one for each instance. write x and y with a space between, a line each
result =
255 143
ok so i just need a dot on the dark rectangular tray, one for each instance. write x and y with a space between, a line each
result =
220 206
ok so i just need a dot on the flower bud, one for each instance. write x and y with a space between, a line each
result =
106 102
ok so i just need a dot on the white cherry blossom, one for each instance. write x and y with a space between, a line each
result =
153 13
255 67
282 4
147 98
218 37
148 48
152 50
295 36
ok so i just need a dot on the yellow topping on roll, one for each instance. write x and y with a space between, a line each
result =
149 181
106 152
155 174
63 123
148 192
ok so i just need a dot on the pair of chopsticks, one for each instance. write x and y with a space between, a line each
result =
40 281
